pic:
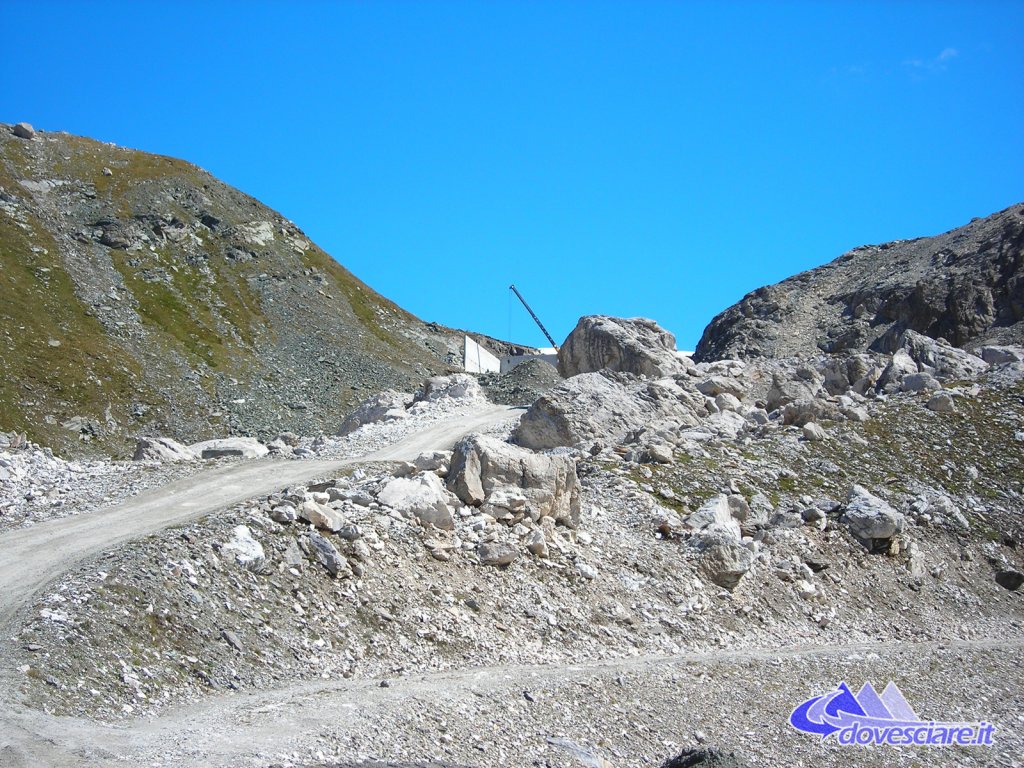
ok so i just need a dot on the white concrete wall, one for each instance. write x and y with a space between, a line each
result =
479 360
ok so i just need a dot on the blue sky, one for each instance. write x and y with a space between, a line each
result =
633 158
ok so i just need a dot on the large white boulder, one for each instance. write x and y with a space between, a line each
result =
634 345
161 449
423 497
487 470
458 386
592 406
388 405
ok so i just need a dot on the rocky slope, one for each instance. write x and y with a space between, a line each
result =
686 550
966 286
730 507
141 296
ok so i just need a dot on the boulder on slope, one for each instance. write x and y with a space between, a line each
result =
422 497
595 406
870 518
487 470
161 449
634 345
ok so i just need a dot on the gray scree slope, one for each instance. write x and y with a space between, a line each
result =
966 286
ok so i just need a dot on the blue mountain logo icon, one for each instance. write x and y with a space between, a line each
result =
867 717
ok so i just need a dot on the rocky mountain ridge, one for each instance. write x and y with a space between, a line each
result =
142 296
966 286
765 512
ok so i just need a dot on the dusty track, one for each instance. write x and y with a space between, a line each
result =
32 558
635 711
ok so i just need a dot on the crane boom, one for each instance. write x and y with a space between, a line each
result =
533 315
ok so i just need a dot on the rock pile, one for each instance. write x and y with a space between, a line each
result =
522 385
512 483
732 398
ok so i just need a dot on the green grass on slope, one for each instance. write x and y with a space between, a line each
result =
192 310
84 375
369 307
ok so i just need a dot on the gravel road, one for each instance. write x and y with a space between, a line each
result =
32 558
632 713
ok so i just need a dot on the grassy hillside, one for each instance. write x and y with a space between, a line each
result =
142 295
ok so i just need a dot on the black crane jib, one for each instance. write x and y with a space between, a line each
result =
533 315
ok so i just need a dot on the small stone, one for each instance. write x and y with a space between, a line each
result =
497 554
328 556
246 550
660 453
232 640
812 514
587 571
284 513
941 403
536 544
323 517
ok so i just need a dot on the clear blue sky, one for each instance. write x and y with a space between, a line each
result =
632 158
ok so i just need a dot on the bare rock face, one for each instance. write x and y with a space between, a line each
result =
161 449
487 470
637 345
388 405
592 406
966 286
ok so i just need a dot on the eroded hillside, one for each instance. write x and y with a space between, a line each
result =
142 295
966 286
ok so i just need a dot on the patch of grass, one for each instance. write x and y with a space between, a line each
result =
57 359
129 169
367 305
182 308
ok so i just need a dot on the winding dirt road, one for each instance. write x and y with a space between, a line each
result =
32 558
634 711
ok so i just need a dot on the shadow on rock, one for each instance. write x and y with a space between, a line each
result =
705 758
